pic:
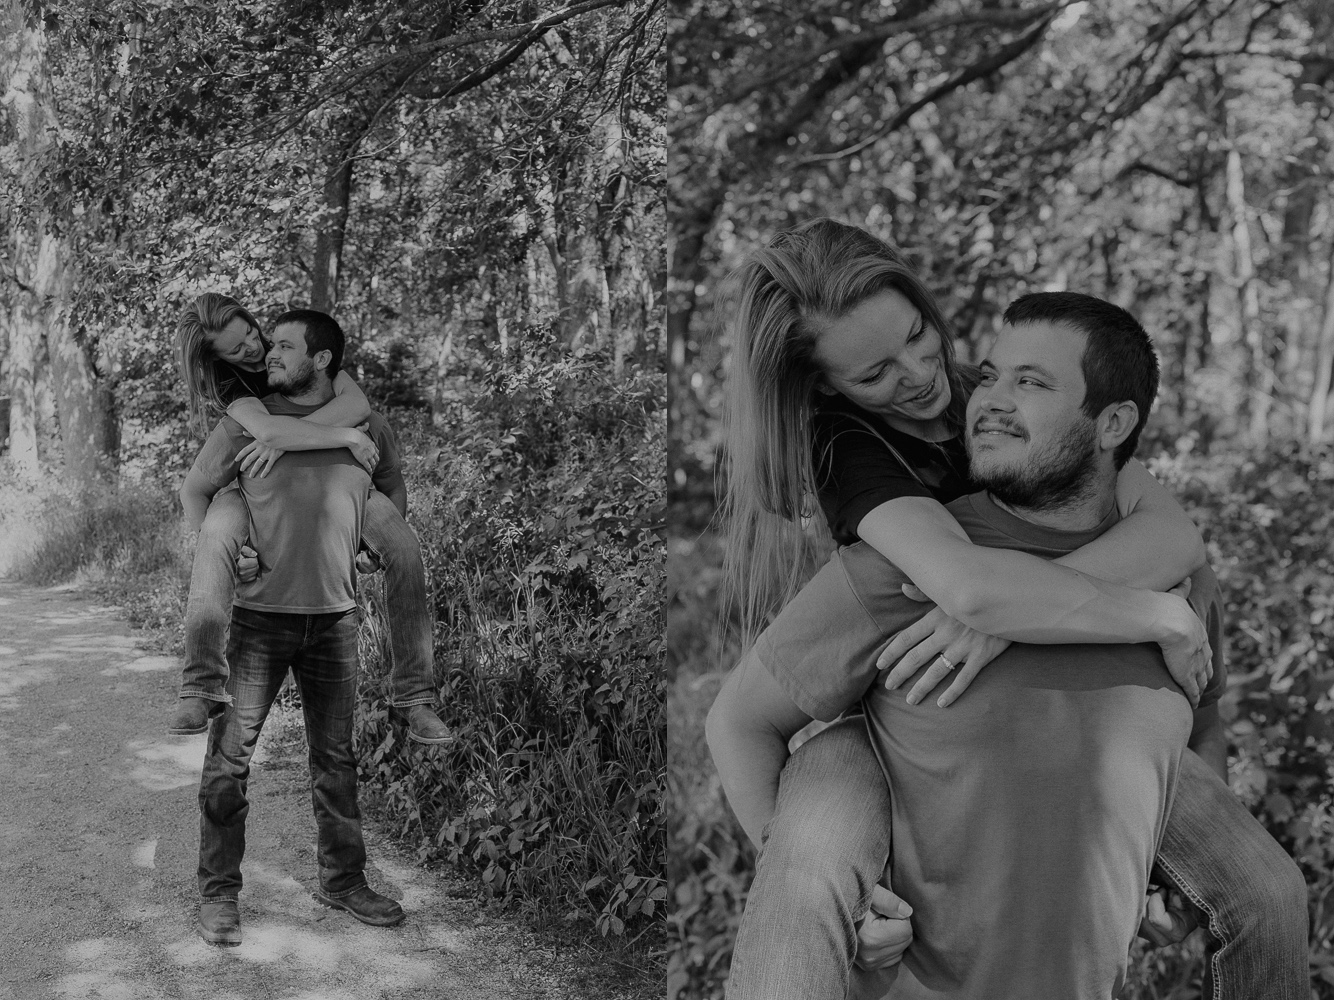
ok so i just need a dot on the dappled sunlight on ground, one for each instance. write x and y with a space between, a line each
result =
104 830
166 763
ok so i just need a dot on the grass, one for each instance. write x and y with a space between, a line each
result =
550 802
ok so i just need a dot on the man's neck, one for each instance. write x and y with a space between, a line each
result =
1082 513
317 395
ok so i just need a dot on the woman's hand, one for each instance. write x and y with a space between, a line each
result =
363 449
258 459
950 643
885 932
1189 658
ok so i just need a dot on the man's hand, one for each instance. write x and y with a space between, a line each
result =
1188 656
247 564
367 562
885 931
939 638
258 459
1167 918
363 449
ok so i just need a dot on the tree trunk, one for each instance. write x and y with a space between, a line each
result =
332 228
1257 369
1324 364
44 270
24 341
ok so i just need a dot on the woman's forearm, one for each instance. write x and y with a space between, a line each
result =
348 408
289 433
1012 594
1156 545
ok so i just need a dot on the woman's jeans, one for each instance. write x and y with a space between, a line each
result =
828 843
322 652
213 581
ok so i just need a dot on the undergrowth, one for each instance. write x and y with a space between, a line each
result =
538 499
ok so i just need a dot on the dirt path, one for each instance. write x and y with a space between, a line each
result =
99 832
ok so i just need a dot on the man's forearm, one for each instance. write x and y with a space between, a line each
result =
748 729
749 762
195 504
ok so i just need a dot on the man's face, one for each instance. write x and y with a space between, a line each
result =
886 358
1029 441
291 369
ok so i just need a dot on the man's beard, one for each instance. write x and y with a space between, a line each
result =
293 383
1058 475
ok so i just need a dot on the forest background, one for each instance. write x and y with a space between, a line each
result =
475 191
1174 157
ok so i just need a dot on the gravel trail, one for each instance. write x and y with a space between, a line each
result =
99 826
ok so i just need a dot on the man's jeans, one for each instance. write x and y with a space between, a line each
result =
829 839
213 581
322 652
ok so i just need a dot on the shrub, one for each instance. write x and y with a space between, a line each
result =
539 507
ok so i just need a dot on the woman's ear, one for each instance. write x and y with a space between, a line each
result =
824 388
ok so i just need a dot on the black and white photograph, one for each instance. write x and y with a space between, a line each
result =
332 488
1000 480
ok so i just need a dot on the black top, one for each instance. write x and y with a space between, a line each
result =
856 472
233 382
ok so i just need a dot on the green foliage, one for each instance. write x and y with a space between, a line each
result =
1268 518
539 506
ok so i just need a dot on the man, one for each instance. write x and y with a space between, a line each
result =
1025 817
300 611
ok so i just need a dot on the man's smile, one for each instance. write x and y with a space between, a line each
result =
997 428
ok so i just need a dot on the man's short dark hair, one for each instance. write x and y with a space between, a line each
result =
1119 361
322 334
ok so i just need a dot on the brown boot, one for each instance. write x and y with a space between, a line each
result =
220 922
424 726
366 905
192 716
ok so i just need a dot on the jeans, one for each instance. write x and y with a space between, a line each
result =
828 843
213 580
322 652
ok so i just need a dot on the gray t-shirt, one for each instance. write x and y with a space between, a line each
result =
1027 815
305 515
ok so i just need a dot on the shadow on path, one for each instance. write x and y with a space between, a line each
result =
99 826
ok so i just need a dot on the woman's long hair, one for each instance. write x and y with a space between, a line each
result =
781 298
202 319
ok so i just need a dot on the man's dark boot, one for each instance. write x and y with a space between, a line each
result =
192 716
424 726
366 905
220 922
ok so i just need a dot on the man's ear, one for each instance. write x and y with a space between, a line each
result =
1116 423
322 359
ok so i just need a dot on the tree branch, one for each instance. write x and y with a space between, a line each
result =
880 33
1000 58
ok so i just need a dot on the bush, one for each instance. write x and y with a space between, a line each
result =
538 499
539 506
1268 519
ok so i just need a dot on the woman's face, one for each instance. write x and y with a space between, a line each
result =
238 343
885 358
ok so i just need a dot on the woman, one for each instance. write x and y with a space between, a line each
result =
222 361
844 386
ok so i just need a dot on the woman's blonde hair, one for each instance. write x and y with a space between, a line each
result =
202 319
781 299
